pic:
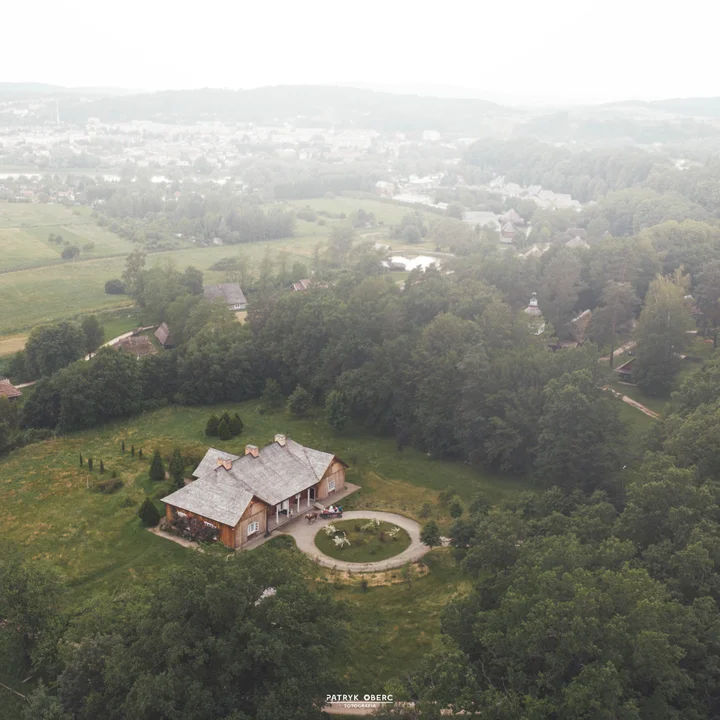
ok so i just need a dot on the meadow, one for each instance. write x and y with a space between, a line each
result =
25 227
98 545
37 287
47 294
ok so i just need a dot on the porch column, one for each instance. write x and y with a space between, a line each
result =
277 514
308 498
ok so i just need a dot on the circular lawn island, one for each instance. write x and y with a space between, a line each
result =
369 541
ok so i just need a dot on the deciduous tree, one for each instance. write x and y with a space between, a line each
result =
661 334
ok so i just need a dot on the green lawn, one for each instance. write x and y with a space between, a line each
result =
98 544
656 404
96 540
121 321
369 545
393 626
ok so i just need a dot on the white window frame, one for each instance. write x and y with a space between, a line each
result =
180 513
331 484
209 524
253 527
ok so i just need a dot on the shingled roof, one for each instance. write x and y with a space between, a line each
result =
7 389
223 491
163 335
218 496
230 292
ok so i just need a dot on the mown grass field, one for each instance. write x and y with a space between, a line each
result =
24 230
98 545
10 344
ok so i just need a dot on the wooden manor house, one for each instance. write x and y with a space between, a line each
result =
244 497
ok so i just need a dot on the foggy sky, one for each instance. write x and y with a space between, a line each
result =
554 51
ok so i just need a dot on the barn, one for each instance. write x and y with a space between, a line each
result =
8 390
244 497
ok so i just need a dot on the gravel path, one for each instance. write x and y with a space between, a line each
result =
304 534
627 346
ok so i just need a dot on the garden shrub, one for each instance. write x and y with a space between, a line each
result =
148 513
108 486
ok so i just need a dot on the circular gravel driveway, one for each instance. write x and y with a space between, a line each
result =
304 534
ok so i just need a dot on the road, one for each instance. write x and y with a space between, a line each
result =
633 403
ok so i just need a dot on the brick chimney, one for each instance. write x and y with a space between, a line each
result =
281 440
225 462
252 450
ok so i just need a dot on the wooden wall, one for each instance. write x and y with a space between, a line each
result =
227 533
255 512
335 472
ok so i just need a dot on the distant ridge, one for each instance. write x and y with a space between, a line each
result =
704 107
317 105
33 89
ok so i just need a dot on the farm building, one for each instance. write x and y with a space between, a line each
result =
164 337
537 322
513 217
625 371
244 497
8 390
577 243
508 231
231 293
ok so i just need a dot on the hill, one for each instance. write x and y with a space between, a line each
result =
314 105
20 90
699 106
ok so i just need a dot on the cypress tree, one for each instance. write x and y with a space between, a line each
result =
177 469
102 467
132 450
122 446
90 464
148 513
157 468
224 430
140 453
226 417
211 429
81 460
236 425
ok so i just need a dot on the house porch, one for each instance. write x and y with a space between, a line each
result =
291 508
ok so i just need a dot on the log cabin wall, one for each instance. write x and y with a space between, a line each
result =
335 472
227 533
256 511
